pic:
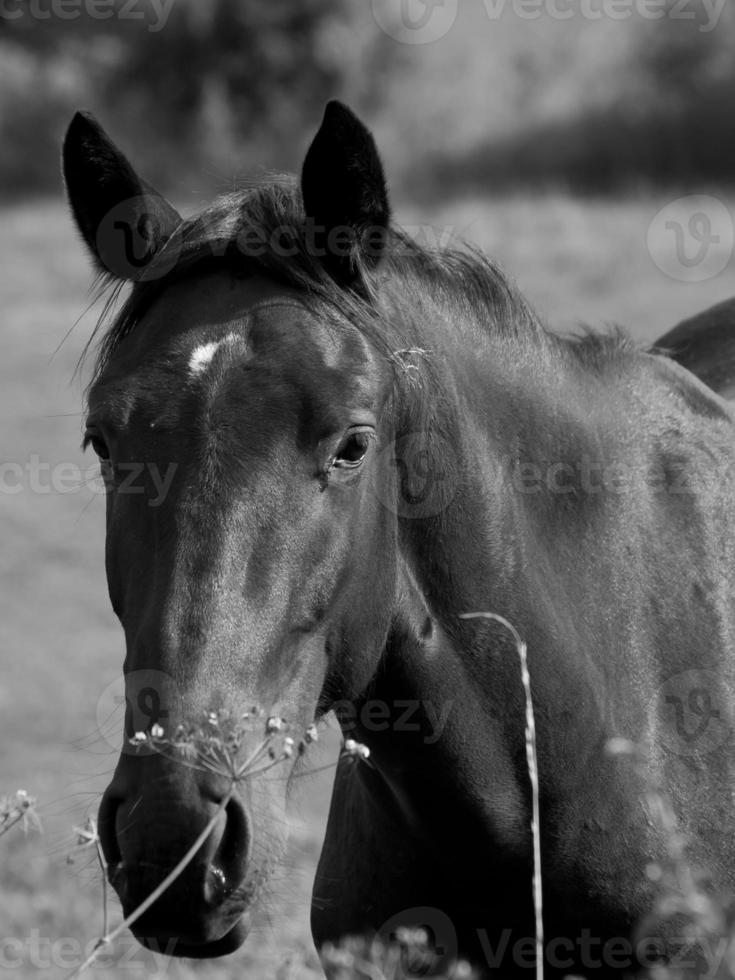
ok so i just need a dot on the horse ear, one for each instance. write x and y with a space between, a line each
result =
344 192
123 221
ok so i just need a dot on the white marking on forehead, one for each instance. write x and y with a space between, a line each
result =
202 355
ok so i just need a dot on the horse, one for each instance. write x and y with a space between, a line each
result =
705 344
364 441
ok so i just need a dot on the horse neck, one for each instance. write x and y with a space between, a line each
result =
438 750
425 716
432 712
488 401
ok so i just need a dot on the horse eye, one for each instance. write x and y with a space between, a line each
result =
97 444
353 450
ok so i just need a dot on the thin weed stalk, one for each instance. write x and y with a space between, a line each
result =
532 764
86 836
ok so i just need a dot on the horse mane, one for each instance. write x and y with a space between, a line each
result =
458 281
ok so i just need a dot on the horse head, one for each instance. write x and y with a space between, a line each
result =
239 412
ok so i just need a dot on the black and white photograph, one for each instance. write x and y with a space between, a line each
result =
367 489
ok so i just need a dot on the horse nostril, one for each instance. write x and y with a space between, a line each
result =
215 886
140 850
229 857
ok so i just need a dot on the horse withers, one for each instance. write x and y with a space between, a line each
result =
364 440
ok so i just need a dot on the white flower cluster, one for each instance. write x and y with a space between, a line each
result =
356 750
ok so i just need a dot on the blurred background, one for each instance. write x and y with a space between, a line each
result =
587 145
594 95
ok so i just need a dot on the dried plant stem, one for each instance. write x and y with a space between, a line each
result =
11 822
16 809
157 892
103 866
532 763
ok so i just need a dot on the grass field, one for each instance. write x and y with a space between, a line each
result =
578 261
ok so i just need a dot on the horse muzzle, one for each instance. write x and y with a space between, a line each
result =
147 826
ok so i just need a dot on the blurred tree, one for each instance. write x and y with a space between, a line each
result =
681 59
216 86
686 83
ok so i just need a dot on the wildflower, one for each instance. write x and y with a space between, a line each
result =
274 725
311 735
156 731
620 746
356 749
187 749
140 738
412 937
654 871
213 718
288 744
20 807
336 956
87 834
463 970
